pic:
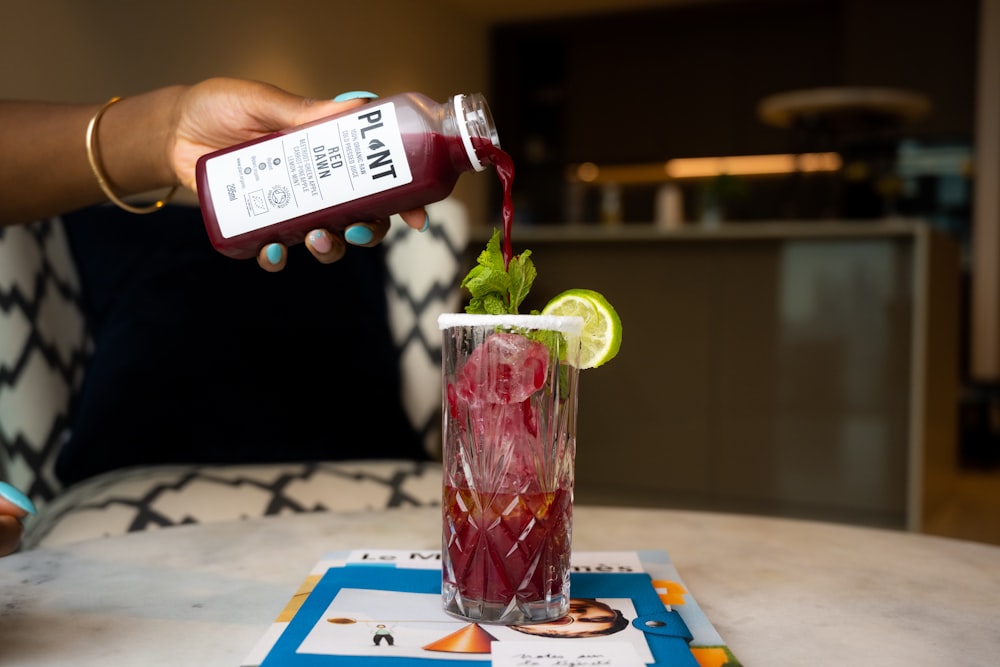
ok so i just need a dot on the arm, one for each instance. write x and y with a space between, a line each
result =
147 142
44 170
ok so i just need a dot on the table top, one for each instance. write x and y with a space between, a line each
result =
780 591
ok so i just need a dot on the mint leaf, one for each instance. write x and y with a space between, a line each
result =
492 257
522 274
494 289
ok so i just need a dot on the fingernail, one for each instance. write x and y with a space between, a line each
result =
358 235
14 496
427 223
320 241
355 95
273 253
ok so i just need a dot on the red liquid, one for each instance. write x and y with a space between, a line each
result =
505 546
504 166
433 161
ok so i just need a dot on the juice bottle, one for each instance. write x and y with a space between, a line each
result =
390 155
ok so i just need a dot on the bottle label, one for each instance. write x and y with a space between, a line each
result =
306 170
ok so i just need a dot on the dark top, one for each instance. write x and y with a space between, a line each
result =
202 358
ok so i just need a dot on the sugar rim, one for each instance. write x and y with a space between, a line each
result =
568 324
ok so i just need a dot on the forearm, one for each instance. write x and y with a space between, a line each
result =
44 169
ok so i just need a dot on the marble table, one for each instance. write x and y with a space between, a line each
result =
781 592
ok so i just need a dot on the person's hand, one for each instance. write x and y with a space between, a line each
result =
14 506
221 112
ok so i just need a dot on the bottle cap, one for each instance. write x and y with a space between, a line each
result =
478 116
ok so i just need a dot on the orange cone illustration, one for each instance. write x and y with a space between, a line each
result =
470 639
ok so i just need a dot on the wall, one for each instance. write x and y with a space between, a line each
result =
685 81
794 369
66 50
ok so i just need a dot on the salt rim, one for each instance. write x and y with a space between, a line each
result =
568 324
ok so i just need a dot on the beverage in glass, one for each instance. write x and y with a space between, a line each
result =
509 402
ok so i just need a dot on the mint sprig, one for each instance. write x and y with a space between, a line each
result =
495 289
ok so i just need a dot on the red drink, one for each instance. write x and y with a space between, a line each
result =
510 397
504 547
504 166
509 455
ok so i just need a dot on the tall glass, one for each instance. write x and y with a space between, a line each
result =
509 401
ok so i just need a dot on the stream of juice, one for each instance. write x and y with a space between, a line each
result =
504 166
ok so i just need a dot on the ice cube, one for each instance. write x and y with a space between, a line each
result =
505 368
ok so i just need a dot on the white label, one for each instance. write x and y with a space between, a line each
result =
557 653
606 561
417 560
307 170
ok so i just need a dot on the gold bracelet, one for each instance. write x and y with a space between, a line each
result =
93 155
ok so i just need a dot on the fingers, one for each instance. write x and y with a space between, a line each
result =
324 246
314 109
10 534
367 234
14 505
272 257
356 95
221 112
328 247
13 502
417 219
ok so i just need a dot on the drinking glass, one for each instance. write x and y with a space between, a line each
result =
509 402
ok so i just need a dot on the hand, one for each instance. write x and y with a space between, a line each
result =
327 246
152 141
220 112
14 506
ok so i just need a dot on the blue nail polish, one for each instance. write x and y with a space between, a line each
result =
358 235
14 496
273 253
355 95
427 223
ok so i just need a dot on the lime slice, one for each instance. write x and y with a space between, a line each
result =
602 328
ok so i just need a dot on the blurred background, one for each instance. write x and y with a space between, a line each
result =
817 341
631 82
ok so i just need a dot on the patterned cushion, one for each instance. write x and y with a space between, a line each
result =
424 275
43 349
45 346
150 497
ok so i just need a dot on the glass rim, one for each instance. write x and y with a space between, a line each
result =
568 324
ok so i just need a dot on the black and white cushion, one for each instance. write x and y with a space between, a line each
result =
152 497
424 274
44 348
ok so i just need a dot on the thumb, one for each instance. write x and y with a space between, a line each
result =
314 109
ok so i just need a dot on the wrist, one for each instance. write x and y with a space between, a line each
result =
135 136
97 166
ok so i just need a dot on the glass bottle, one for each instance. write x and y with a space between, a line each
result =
389 155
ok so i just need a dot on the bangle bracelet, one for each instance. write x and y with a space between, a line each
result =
93 155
